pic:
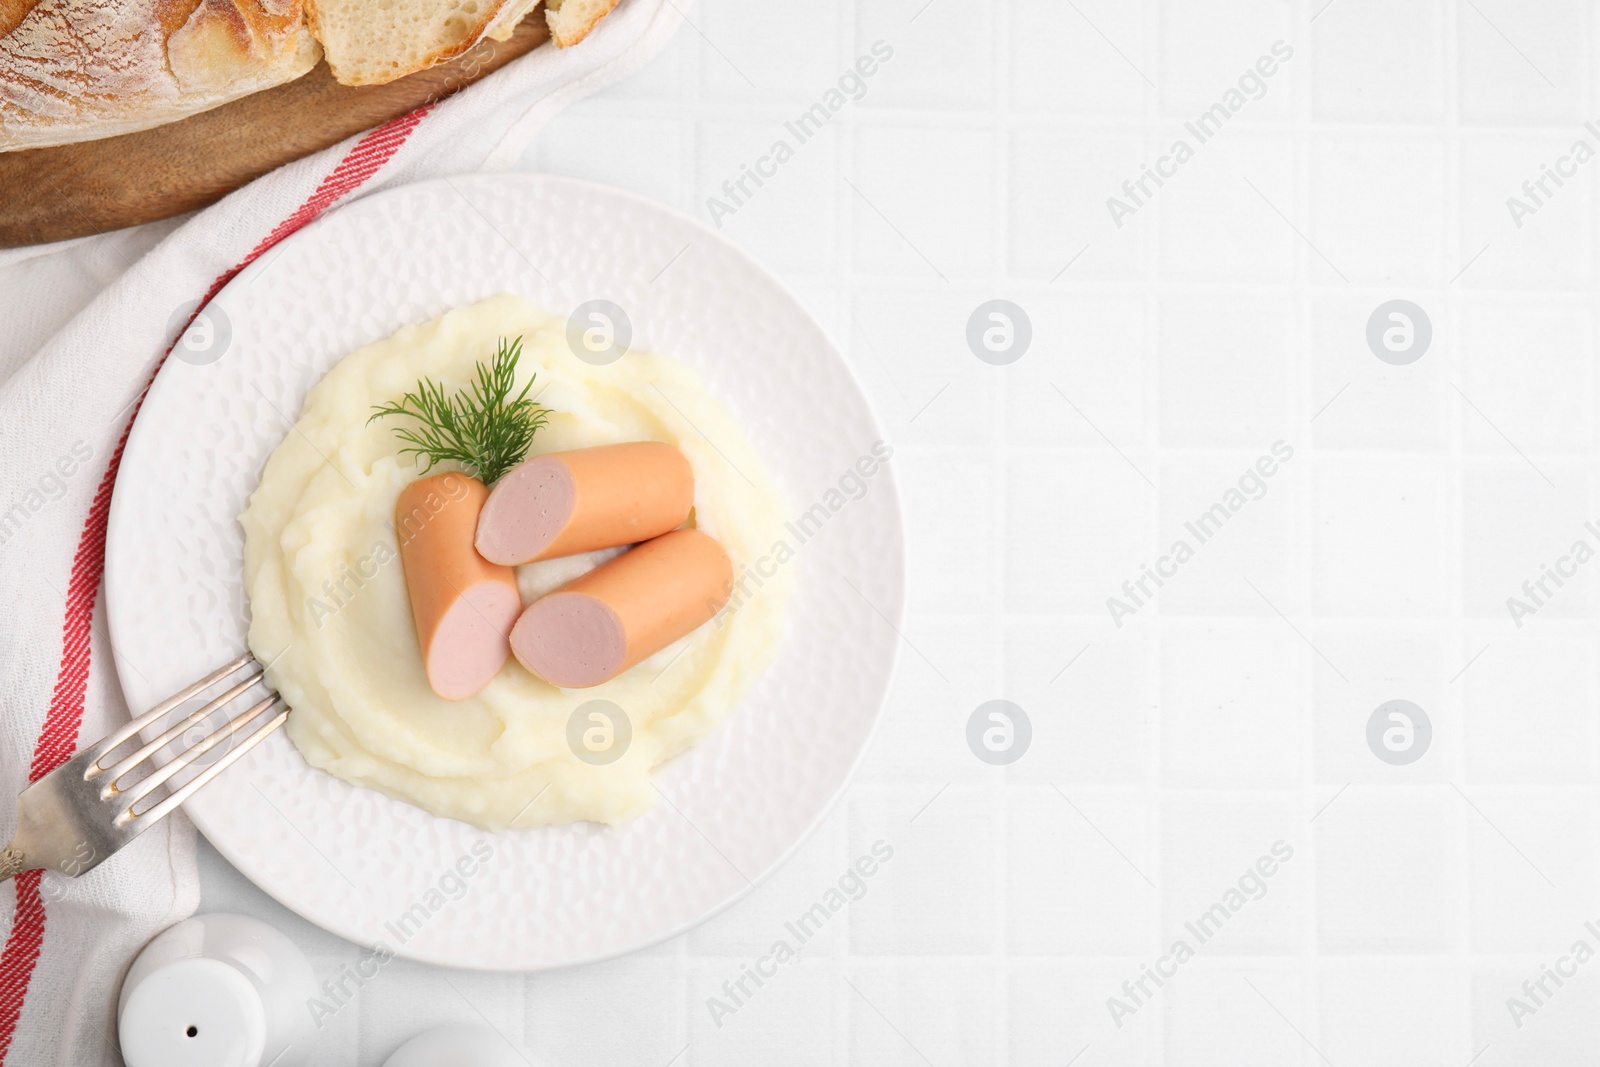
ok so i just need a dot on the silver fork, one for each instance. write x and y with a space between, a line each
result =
75 817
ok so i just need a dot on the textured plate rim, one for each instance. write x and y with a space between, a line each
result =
894 616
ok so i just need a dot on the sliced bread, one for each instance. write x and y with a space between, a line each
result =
369 42
571 20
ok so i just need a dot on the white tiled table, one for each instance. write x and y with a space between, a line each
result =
1229 712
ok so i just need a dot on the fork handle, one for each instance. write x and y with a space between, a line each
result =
12 863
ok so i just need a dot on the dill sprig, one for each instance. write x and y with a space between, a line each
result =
481 427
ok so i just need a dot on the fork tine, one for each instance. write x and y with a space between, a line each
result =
139 755
127 730
187 757
189 788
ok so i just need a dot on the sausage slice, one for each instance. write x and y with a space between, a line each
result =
598 625
463 605
563 503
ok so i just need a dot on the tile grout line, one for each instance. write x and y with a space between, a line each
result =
1153 56
1309 947
1455 702
1000 274
843 162
1043 119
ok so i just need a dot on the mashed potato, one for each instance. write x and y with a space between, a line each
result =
329 610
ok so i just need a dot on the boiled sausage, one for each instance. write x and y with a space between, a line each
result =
597 626
563 503
463 605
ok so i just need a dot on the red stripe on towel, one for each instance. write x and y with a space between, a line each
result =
59 737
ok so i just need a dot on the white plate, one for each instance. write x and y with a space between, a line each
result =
355 861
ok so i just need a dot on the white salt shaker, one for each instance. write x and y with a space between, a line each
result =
217 991
457 1046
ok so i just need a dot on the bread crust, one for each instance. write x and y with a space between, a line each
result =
12 12
148 62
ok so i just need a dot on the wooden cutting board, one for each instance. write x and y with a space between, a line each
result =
54 193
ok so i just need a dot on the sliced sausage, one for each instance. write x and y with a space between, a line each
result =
463 605
597 626
563 503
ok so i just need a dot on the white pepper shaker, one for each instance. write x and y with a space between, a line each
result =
217 991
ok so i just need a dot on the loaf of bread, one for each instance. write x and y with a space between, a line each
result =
72 70
75 70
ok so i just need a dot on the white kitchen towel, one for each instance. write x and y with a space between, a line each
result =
67 401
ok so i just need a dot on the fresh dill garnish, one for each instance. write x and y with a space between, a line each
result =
481 427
